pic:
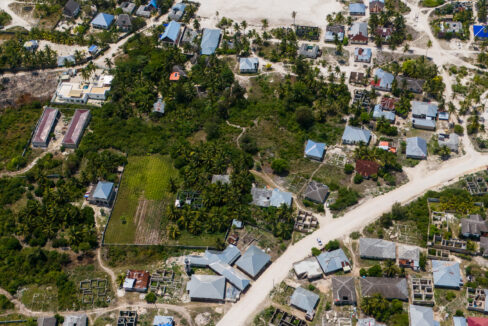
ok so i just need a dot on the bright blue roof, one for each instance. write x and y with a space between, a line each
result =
103 19
93 48
479 31
171 31
315 150
103 190
210 41
154 3
357 7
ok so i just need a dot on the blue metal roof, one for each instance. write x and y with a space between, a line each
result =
378 113
459 321
210 41
103 190
171 32
480 31
332 261
314 150
416 147
421 316
357 8
363 54
248 63
103 19
92 48
446 274
179 6
237 278
304 300
279 197
154 3
354 135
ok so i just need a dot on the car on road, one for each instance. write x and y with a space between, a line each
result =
319 242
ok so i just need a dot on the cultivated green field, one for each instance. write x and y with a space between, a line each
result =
141 201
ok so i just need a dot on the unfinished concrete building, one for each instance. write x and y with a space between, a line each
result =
422 291
477 299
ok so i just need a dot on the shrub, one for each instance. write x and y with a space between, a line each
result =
358 178
459 313
348 168
316 251
458 129
450 296
332 245
355 235
151 297
279 166
304 117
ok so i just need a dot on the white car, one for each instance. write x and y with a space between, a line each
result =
319 242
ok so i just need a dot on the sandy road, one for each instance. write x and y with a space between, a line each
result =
448 172
16 19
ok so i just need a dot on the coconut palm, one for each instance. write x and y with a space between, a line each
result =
293 15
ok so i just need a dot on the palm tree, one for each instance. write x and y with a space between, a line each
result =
265 23
293 15
173 231
108 63
429 45
244 25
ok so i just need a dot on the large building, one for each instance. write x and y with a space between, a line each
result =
103 195
253 261
76 127
45 126
390 288
81 92
370 248
206 288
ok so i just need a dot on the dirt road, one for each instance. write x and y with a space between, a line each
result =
425 179
16 19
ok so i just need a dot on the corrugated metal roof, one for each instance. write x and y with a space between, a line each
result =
171 32
378 113
238 279
279 198
446 274
103 19
424 109
390 288
76 127
253 261
377 248
248 63
103 190
304 300
315 150
421 316
210 41
333 261
416 147
343 289
356 135
357 8
206 287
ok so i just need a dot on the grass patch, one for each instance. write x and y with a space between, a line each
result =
432 3
144 183
41 298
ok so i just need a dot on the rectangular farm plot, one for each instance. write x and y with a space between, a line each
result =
141 201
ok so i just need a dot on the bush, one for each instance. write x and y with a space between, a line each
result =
355 235
279 166
304 117
358 178
375 271
363 272
459 313
316 251
458 129
151 297
450 296
311 287
332 245
348 168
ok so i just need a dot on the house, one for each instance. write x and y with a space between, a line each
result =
447 274
450 28
159 106
357 78
443 115
309 51
411 84
316 192
474 226
47 321
334 32
31 45
45 127
484 246
425 124
210 41
265 197
177 11
358 33
357 9
80 93
480 31
248 65
76 127
409 256
388 103
163 321
221 178
315 151
188 39
128 7
389 288
451 141
383 80
75 320
355 135
384 32
416 148
343 291
370 248
305 300
253 261
93 49
102 21
66 60
124 23
103 194
459 321
421 316
171 34
206 288
376 6
136 281
367 168
386 146
477 321
228 256
378 113
232 275
308 268
424 110
144 11
333 261
71 9
362 55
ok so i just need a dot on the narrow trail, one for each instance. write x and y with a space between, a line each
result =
240 135
25 169
106 269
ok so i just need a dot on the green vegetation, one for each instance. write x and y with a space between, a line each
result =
5 303
5 18
346 197
432 3
384 311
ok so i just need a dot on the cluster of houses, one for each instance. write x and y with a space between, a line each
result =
126 318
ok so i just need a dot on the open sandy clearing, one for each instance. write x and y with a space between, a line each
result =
277 12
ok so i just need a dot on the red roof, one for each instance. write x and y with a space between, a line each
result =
141 277
76 127
45 125
477 321
174 76
366 168
388 103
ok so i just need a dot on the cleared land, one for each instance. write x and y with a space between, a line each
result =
143 194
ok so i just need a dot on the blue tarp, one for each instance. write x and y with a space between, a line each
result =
480 31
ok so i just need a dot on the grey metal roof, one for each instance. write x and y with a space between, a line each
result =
309 267
332 261
279 198
222 178
248 64
354 135
459 321
61 61
421 316
390 288
359 28
368 322
385 79
473 226
253 261
103 190
210 41
309 51
357 8
484 246
423 123
363 54
304 300
124 20
265 197
408 252
46 321
424 109
238 279
377 248
177 11
378 113
316 192
446 274
416 147
206 287
343 290
228 256
75 320
452 142
413 84
71 7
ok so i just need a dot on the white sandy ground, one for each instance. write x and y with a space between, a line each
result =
16 19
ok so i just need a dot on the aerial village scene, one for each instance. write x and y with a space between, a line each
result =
262 163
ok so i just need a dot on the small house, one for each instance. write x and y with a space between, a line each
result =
163 321
358 33
334 261
102 21
379 113
124 23
343 291
305 300
357 9
144 11
424 110
362 55
309 51
210 288
383 80
248 65
474 226
71 9
447 274
103 195
31 45
93 49
308 268
416 148
451 141
379 249
136 281
210 41
334 33
221 178
253 261
66 60
314 151
316 192
75 320
177 11
265 197
409 257
128 7
421 316
159 106
424 124
355 135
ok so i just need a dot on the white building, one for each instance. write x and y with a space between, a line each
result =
81 92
